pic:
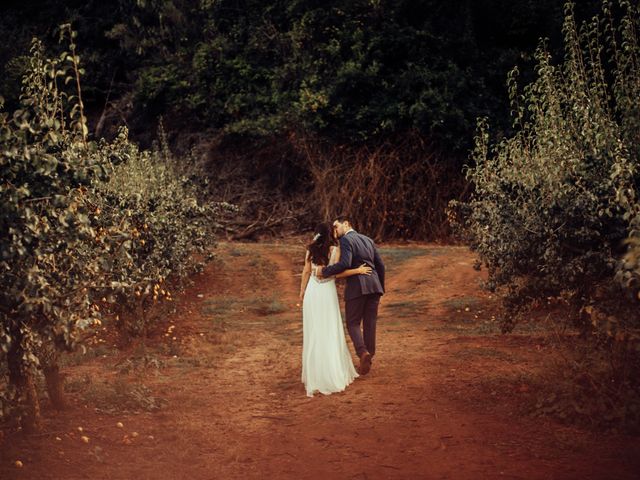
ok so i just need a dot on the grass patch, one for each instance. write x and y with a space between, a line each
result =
218 306
576 383
219 310
77 384
498 385
470 327
532 326
461 303
407 309
478 316
468 315
227 312
267 306
118 397
141 363
262 267
392 257
190 362
79 357
484 352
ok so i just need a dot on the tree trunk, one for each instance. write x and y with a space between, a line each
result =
23 378
31 420
54 386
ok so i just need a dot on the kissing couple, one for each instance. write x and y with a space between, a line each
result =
326 363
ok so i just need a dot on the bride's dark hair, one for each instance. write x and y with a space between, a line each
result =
319 247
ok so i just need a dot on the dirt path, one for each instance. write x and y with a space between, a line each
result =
235 408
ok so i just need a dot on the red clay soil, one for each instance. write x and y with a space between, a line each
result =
435 405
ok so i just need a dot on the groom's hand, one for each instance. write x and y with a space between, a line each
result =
319 273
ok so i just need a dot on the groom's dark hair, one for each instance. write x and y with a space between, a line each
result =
344 218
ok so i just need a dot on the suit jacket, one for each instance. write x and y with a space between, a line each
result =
356 249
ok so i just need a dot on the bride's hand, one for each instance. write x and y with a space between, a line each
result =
364 269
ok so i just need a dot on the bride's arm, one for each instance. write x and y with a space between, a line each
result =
306 273
363 269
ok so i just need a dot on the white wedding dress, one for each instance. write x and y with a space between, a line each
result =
326 363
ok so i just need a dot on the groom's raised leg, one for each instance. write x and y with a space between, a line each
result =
354 310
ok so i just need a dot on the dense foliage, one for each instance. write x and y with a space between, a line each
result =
166 222
553 203
345 70
239 80
84 225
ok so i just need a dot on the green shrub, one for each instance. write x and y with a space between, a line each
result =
85 225
554 208
157 230
45 270
552 203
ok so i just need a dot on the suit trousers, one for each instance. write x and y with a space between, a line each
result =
363 310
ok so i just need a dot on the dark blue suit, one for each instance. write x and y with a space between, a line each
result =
362 293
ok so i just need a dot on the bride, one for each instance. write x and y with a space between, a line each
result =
326 362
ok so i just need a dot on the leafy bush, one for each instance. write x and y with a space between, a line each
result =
348 71
552 204
84 224
629 274
554 207
152 218
43 212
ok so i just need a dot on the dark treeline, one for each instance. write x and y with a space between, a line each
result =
249 73
348 70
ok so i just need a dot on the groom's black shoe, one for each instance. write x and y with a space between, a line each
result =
365 363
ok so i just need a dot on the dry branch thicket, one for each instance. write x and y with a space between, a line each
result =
392 190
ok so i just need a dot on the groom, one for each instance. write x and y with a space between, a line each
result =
362 293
